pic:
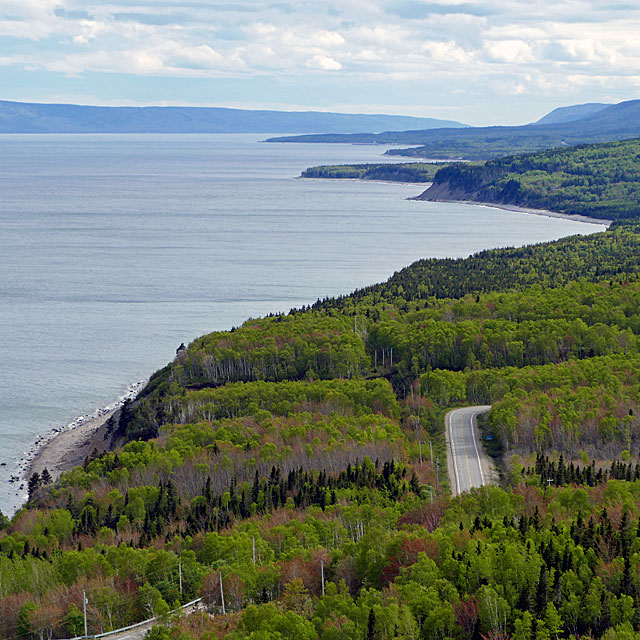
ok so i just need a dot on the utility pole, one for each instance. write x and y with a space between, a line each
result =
222 594
180 575
84 608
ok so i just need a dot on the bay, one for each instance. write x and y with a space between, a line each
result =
114 249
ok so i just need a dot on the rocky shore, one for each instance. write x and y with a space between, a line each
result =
66 447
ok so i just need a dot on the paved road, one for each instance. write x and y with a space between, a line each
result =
467 468
140 631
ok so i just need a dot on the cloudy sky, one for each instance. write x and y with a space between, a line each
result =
477 61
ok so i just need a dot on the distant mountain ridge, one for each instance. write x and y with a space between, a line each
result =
22 117
616 122
572 113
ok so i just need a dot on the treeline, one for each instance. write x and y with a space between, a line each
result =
558 473
149 513
589 405
483 348
173 403
600 181
402 328
596 257
276 348
393 172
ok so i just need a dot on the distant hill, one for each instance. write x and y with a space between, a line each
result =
21 117
616 122
569 114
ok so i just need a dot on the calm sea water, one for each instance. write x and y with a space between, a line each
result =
115 249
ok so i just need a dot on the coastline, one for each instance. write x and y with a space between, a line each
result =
66 447
406 184
491 205
516 209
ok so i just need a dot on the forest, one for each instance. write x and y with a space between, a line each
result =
600 181
391 172
291 471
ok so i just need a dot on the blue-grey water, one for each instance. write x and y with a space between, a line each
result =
115 249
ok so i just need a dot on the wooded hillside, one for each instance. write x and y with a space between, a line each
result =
291 472
600 181
294 468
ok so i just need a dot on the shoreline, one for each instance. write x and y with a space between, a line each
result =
406 184
516 209
491 205
66 447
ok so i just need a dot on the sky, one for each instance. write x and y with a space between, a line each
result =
478 62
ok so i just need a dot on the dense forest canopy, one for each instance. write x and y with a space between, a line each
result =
393 172
291 472
601 181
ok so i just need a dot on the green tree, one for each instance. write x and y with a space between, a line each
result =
523 627
152 602
553 621
25 618
74 621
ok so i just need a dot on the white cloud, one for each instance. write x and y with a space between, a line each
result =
458 47
325 63
510 51
446 52
328 39
26 9
147 62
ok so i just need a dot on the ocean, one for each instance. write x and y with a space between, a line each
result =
114 249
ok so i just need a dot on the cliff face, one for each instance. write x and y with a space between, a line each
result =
444 191
597 181
473 182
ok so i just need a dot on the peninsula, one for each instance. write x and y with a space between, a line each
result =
568 127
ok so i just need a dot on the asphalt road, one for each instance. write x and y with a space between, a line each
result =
467 468
139 632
